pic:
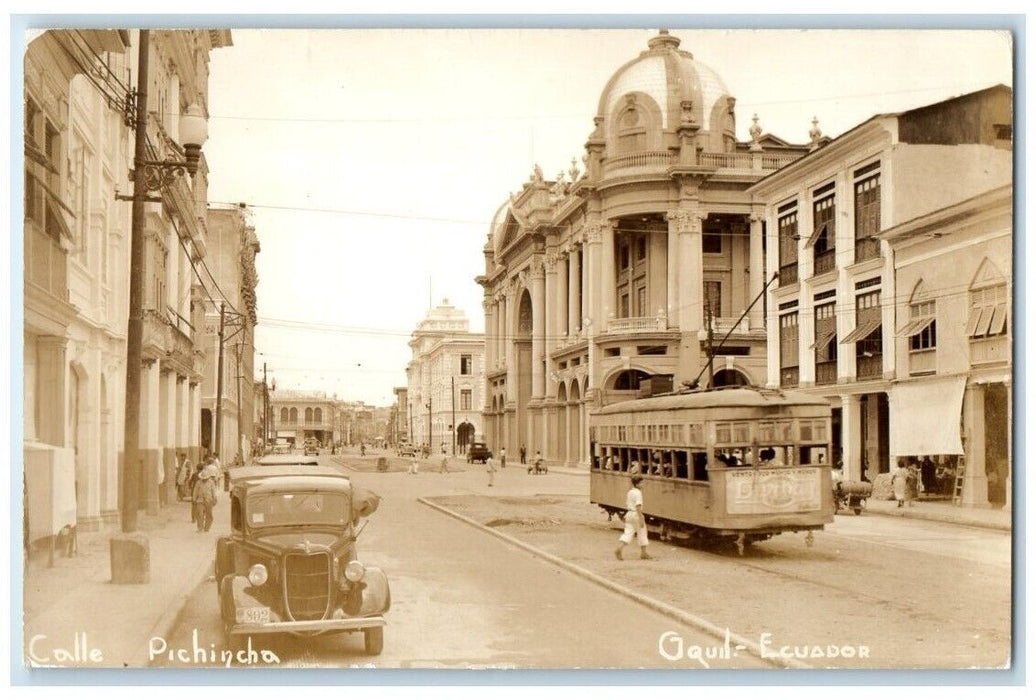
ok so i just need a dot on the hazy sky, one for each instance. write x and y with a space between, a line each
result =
373 160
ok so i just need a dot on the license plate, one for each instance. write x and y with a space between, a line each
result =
254 616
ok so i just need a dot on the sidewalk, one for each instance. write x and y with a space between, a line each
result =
78 618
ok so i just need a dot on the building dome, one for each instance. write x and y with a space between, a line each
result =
658 91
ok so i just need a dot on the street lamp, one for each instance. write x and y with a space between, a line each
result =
148 176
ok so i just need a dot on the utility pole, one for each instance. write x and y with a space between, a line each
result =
131 466
219 387
708 341
237 374
266 411
453 417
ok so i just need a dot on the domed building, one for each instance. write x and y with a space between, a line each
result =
615 280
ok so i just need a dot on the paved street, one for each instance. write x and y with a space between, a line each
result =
914 593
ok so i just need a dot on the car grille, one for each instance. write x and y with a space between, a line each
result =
307 581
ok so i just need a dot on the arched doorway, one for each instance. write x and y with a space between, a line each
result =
629 380
523 370
575 428
465 436
729 377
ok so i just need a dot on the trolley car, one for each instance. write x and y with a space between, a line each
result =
740 464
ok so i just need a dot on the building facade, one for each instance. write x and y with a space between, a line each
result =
630 275
839 316
952 395
298 415
79 156
233 246
401 424
445 380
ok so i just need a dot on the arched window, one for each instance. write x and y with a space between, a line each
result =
284 415
920 329
318 415
309 415
294 415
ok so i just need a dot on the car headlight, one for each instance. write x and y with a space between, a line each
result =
257 575
354 571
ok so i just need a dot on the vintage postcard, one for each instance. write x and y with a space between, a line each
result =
678 348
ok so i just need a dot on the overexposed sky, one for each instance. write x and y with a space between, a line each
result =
373 160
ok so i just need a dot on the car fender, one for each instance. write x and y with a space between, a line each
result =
376 595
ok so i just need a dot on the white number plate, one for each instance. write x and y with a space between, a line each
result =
255 616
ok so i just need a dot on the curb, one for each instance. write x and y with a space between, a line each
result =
698 623
171 617
964 522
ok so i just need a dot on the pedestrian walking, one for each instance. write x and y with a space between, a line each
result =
191 483
503 458
521 454
443 464
635 523
899 483
491 468
413 465
204 495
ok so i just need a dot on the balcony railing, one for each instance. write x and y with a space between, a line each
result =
645 160
789 274
723 325
827 372
922 362
823 262
867 248
637 324
789 376
868 367
660 160
726 160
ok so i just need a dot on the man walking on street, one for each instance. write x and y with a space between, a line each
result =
635 523
205 495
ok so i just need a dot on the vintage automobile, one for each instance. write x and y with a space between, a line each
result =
478 452
290 562
405 449
311 447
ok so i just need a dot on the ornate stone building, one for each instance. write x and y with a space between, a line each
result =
78 164
604 283
444 381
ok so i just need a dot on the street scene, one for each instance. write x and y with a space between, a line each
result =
518 350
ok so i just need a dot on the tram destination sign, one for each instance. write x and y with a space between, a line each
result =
784 490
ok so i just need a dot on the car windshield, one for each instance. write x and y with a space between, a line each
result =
287 508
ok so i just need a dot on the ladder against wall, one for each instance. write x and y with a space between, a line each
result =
958 477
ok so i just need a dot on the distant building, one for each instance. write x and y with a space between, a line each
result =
606 283
445 381
400 415
298 415
232 247
895 223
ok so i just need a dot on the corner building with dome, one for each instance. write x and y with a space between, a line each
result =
601 285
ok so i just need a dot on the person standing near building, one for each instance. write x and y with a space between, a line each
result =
521 454
503 458
899 482
635 524
204 495
413 465
491 468
444 464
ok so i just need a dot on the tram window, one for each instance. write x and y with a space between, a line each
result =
812 454
695 434
812 430
700 461
784 431
767 432
722 433
741 432
680 464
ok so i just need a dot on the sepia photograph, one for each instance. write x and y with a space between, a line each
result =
662 344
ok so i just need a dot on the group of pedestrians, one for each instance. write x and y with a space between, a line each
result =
199 484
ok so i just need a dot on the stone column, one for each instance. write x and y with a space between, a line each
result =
594 235
572 299
605 281
685 224
167 475
756 272
852 458
502 312
194 420
550 300
509 322
975 491
672 276
586 296
150 443
538 328
561 300
487 310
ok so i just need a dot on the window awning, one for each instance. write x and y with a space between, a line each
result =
916 326
823 340
817 233
862 331
924 417
987 320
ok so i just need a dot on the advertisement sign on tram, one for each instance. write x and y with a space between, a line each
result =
785 490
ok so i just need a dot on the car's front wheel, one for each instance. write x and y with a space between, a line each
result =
373 640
